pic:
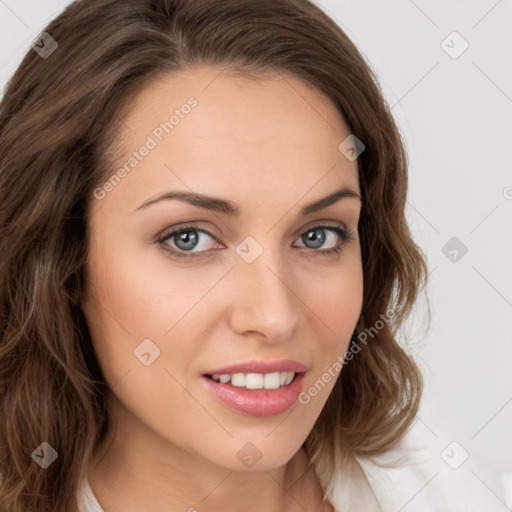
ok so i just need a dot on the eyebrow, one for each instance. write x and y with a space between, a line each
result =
229 208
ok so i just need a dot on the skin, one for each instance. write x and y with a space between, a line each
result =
270 146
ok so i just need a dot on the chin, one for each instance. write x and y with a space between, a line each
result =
255 455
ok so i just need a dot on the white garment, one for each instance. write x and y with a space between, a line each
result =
423 482
86 500
434 475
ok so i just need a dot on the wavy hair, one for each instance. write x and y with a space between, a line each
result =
58 120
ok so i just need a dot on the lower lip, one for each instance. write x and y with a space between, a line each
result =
257 402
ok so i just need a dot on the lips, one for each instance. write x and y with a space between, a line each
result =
274 399
253 402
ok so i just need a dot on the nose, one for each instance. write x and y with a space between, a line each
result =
263 298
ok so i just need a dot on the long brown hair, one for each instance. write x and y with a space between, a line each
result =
58 119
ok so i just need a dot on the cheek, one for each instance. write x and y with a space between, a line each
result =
137 294
337 305
139 288
134 308
338 299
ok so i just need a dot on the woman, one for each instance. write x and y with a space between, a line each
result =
205 261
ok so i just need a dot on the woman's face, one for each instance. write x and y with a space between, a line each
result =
254 287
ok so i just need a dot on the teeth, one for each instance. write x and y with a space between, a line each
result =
256 380
238 379
271 380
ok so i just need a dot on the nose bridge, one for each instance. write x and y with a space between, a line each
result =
264 300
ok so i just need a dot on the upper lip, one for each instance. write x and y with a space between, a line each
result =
287 365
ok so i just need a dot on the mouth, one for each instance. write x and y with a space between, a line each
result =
269 391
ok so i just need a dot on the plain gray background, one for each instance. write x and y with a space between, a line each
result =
455 112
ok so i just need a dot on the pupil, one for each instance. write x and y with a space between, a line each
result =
186 238
312 236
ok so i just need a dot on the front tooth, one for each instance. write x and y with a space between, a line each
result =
238 380
283 378
225 378
254 381
272 380
289 378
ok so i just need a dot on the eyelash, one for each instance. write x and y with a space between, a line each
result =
345 236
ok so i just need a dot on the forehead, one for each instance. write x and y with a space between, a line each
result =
213 132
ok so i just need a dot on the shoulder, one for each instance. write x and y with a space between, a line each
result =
428 473
423 473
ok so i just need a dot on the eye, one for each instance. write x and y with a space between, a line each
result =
186 239
192 242
315 238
